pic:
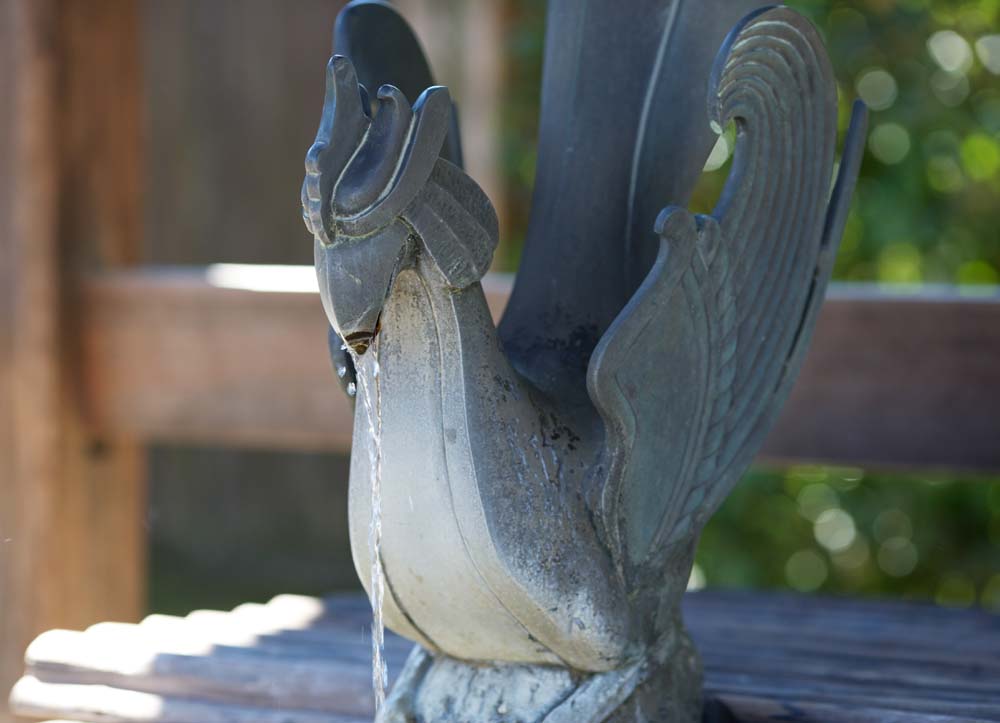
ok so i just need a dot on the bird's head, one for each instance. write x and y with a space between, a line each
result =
370 160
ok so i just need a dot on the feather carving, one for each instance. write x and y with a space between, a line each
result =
737 289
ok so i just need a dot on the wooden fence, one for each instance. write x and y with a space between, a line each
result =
99 357
236 355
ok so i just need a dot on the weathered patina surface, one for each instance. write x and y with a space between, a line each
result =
544 483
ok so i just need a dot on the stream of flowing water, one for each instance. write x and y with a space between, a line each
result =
369 389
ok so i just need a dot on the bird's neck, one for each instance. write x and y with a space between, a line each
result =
432 336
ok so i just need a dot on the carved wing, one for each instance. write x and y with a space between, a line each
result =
690 376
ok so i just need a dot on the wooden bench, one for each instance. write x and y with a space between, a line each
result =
303 660
100 358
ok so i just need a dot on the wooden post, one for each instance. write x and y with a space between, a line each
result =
71 505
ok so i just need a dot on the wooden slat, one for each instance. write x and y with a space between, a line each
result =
192 357
237 355
38 699
228 354
69 138
766 657
899 379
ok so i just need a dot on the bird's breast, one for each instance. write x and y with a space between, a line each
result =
487 547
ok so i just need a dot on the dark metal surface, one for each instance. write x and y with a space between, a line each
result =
624 131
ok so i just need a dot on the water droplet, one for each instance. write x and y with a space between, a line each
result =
352 389
341 370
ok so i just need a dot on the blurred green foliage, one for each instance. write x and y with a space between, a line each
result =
927 209
844 531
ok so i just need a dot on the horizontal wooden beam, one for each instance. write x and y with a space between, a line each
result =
226 354
236 355
898 379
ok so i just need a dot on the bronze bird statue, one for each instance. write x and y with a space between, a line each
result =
544 482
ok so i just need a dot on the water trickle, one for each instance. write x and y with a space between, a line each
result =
368 373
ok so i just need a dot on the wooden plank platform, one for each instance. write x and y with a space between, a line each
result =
768 657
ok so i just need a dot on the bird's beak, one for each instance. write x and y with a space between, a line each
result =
355 277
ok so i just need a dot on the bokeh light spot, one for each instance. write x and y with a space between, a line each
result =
900 263
889 142
805 570
944 174
854 556
815 499
877 88
980 156
950 51
950 88
892 523
835 530
898 557
988 50
977 272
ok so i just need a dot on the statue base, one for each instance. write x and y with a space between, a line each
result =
659 688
